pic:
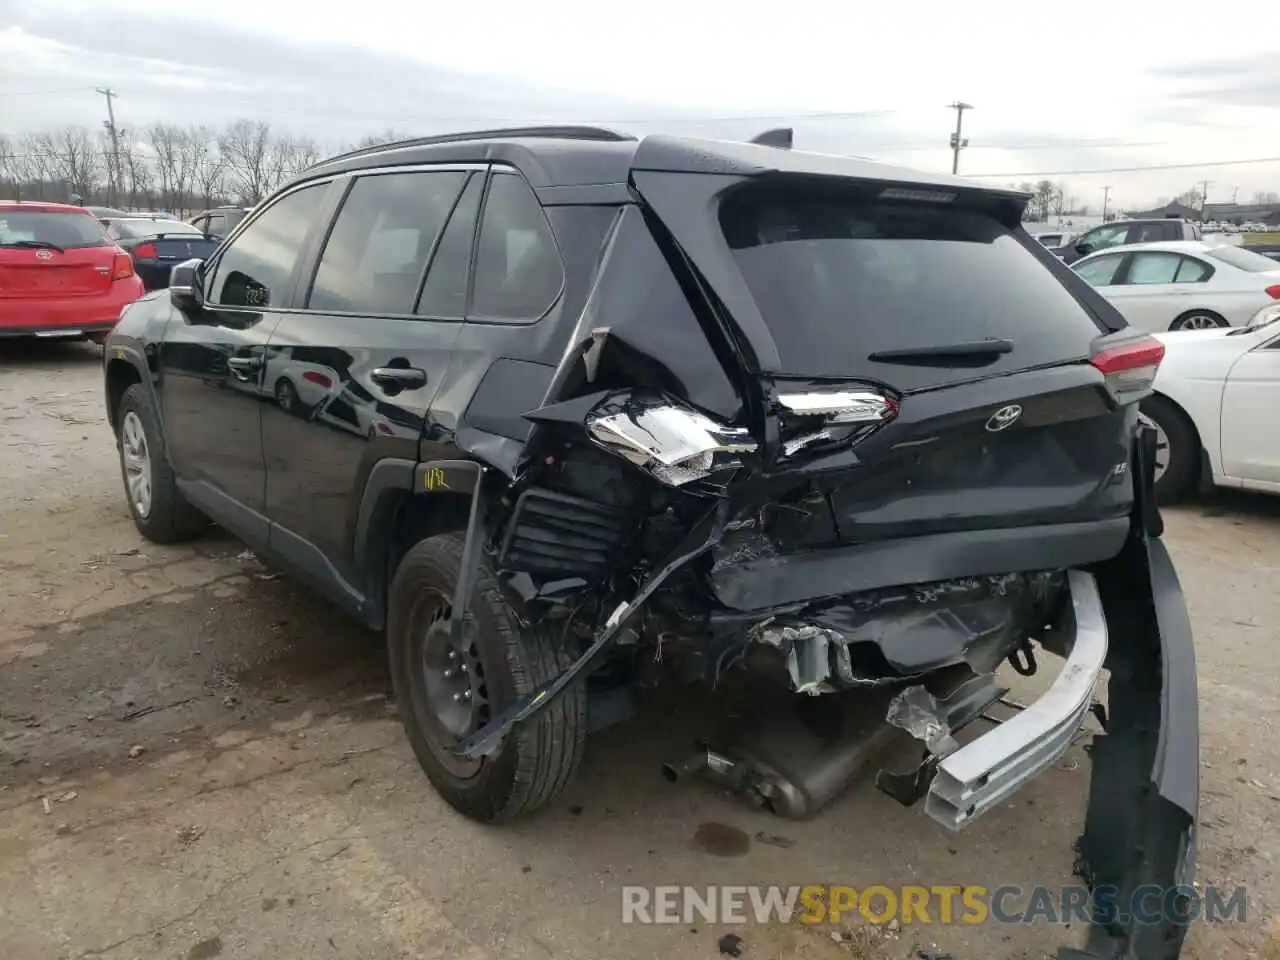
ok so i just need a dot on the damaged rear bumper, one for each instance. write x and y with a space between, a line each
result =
980 775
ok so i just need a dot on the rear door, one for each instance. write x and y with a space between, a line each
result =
212 362
1149 293
352 372
900 292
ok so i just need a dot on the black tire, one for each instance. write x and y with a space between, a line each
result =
537 759
1207 318
286 395
1183 469
169 519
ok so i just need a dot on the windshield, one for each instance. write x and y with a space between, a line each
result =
63 230
133 229
1243 259
838 278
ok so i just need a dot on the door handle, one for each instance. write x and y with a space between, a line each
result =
398 378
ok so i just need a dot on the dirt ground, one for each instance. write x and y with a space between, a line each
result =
200 759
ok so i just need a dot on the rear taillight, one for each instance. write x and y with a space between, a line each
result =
319 379
147 251
1130 368
818 419
1273 291
121 266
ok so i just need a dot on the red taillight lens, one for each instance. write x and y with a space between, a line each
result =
1273 291
147 251
121 266
1130 368
319 379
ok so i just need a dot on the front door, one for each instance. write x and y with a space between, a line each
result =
353 372
1250 445
212 364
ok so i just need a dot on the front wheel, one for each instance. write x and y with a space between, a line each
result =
446 690
1177 449
159 510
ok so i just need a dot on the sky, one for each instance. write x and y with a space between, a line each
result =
1059 90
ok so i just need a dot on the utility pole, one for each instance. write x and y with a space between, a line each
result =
1106 195
1204 197
110 124
958 142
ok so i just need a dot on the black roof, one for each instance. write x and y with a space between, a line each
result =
581 156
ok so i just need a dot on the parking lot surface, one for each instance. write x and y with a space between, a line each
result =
199 758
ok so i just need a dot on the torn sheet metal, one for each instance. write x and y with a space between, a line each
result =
917 711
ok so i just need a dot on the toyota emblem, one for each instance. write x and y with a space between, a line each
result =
1004 418
44 255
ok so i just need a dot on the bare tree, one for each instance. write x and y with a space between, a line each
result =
246 147
1060 199
166 143
201 152
138 174
77 159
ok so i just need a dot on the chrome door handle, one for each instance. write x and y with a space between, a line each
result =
398 377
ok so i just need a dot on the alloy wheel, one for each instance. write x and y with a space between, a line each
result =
136 456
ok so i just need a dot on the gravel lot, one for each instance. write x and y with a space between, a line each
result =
224 775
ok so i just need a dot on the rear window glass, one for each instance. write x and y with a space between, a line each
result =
1243 259
64 230
133 229
838 277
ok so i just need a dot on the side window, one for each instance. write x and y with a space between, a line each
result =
1153 268
518 270
216 225
1104 237
255 270
201 224
1191 270
376 253
1151 232
445 293
1101 272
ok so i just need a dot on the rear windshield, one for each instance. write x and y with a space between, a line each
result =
64 230
840 277
133 229
1243 259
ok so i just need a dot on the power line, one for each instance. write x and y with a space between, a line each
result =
1142 169
43 93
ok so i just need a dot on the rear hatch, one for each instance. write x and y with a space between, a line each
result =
973 370
51 255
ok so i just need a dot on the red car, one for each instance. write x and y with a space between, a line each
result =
60 275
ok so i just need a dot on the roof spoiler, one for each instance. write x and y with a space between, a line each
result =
780 137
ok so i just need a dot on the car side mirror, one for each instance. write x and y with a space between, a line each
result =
186 285
1084 248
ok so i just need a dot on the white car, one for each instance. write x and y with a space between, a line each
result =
1184 284
1214 408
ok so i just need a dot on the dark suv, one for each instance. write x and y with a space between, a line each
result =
566 412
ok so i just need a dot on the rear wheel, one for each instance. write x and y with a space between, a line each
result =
446 690
159 510
1177 449
1199 320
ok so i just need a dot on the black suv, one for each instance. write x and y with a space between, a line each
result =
1125 232
566 412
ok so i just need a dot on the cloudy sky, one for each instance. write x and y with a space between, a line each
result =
1059 89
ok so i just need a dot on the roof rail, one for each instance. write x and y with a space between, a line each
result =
549 132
